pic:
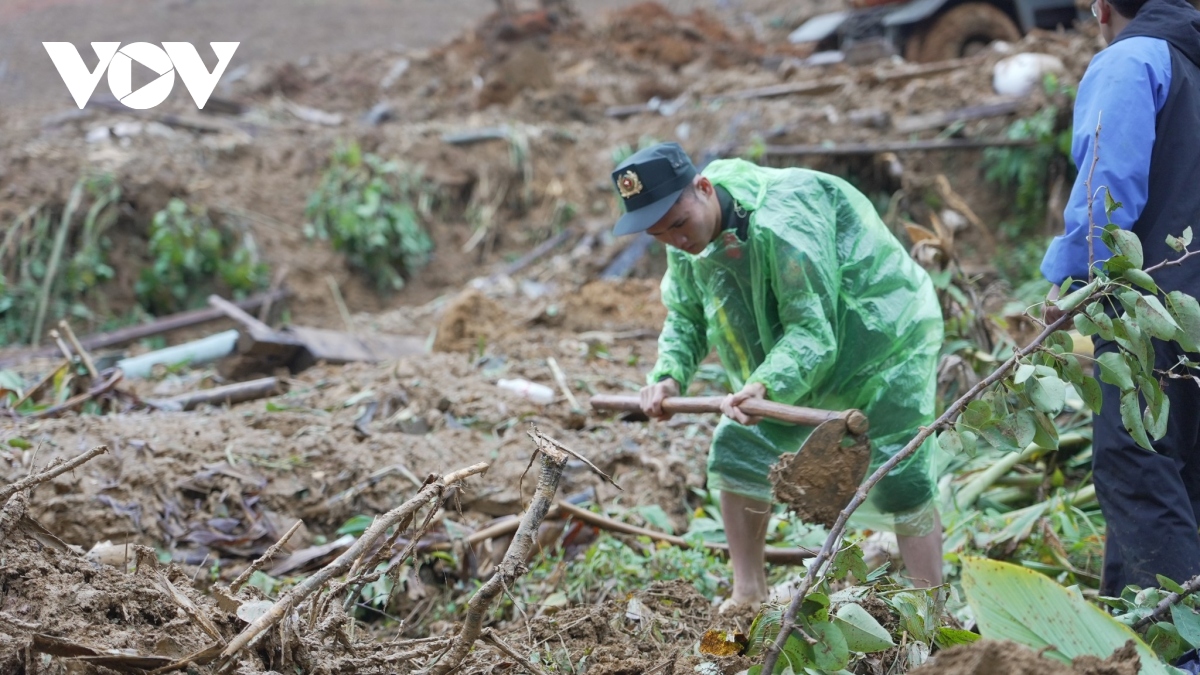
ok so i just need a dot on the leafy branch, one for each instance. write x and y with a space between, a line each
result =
1032 382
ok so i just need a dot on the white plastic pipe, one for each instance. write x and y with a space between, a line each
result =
208 349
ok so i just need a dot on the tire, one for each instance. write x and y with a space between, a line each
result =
957 31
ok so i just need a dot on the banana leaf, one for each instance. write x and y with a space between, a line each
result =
1018 604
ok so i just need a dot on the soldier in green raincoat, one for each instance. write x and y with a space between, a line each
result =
808 299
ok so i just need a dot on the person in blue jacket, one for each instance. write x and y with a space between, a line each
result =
1143 92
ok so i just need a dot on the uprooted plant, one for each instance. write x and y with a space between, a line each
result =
1013 406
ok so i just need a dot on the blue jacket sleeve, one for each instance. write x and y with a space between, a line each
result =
1123 90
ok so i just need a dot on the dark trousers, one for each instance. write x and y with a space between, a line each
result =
1150 500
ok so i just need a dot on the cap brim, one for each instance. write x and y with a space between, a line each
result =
645 217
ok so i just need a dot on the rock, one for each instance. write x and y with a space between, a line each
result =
1017 75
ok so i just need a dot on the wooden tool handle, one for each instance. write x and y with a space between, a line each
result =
856 422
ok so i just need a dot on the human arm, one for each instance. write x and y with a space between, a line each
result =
1122 92
683 342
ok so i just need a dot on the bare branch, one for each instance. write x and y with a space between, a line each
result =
54 471
513 566
1164 606
262 560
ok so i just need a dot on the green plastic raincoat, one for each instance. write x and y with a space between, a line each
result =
824 307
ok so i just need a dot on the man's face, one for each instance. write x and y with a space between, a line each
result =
692 222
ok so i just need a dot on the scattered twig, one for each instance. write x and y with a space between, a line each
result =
262 560
264 312
51 472
189 608
513 566
377 531
1164 605
338 300
1092 198
62 345
542 439
489 636
782 556
561 378
83 355
539 251
775 648
71 403
228 394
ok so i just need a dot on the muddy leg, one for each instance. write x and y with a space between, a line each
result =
746 529
923 556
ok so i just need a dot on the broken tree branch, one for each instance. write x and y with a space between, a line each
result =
1164 606
377 531
489 636
83 355
262 560
833 541
561 378
52 472
227 394
513 566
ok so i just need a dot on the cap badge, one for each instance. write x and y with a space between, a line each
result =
629 184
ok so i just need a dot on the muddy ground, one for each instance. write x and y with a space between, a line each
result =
193 497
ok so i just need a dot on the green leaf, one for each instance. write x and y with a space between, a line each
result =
1175 243
1075 298
1092 395
1169 584
1013 603
1132 419
1165 640
1186 620
1110 204
797 654
917 615
1047 393
356 525
950 441
862 632
1046 434
1025 371
1117 265
1061 339
1124 242
849 561
1187 236
1115 371
20 443
948 637
1186 312
1156 319
1140 278
1085 326
1103 321
1157 410
977 414
831 651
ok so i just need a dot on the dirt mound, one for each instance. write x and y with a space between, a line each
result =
993 657
470 322
615 305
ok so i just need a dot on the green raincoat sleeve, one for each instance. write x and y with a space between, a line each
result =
683 342
806 351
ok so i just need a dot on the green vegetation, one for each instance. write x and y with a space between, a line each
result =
193 258
372 210
1029 173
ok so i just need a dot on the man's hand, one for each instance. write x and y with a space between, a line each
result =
653 395
1050 311
730 404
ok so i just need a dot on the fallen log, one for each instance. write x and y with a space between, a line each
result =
538 251
944 118
124 336
895 146
225 395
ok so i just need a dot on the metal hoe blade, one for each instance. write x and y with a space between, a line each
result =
818 480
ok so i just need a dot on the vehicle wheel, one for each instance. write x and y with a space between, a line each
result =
961 31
